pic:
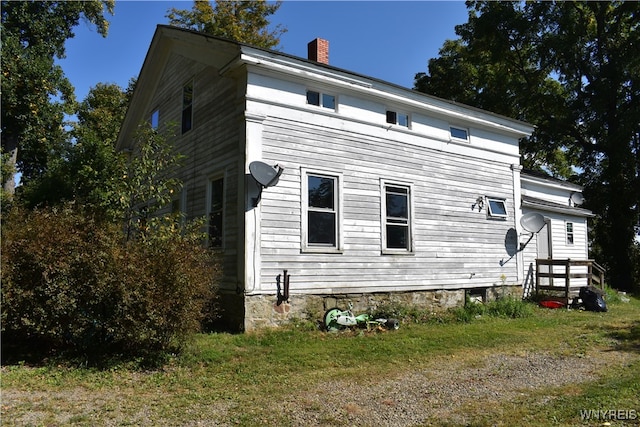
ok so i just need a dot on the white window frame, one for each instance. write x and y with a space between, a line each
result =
396 121
305 173
490 210
223 208
410 249
321 96
461 129
570 234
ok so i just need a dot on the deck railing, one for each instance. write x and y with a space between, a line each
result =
566 270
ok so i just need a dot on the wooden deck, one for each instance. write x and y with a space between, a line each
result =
562 279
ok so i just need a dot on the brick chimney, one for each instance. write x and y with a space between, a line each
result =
318 50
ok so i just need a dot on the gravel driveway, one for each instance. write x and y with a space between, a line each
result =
431 396
436 394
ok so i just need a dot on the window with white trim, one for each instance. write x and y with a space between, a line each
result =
459 133
215 213
569 229
497 207
320 99
321 211
397 217
396 118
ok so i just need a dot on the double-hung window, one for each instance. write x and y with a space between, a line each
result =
187 107
397 217
569 228
321 216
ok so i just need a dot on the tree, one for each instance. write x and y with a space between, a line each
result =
242 21
79 282
149 183
89 171
35 93
96 168
571 69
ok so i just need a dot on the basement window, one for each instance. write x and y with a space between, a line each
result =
497 208
396 118
320 99
459 133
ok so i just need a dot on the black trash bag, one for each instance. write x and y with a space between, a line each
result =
593 299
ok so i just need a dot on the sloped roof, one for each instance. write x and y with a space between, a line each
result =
545 205
543 177
224 53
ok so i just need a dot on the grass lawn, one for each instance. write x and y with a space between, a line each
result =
263 378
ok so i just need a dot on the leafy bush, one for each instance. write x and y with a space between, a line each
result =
73 284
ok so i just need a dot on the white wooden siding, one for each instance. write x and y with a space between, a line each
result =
210 147
455 246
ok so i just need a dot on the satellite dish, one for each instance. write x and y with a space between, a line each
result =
266 175
577 198
532 222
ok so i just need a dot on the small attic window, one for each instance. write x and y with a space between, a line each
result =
396 118
321 99
497 208
459 133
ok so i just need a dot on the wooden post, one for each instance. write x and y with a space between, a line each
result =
537 277
567 272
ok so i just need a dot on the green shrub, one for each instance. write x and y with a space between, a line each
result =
510 307
507 307
72 284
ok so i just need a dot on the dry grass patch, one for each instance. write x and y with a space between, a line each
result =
488 372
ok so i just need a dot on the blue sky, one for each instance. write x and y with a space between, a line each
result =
388 40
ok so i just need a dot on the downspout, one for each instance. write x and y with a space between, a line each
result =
252 214
517 205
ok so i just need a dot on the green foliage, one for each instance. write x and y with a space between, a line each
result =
571 69
72 284
35 92
148 183
7 169
90 171
508 307
242 21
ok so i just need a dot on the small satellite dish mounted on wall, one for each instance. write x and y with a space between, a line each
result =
577 198
265 175
531 222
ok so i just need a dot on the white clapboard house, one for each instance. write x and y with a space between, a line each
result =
371 193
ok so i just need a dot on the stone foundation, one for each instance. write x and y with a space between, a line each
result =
263 311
